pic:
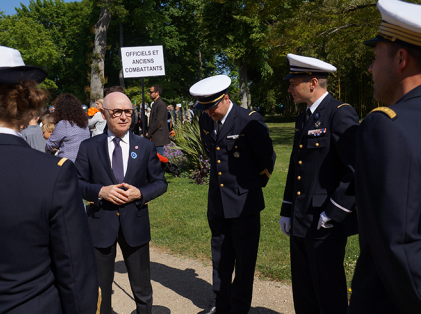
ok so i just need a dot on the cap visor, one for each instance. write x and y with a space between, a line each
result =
202 107
373 41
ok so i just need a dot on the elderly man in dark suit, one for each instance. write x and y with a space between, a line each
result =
242 160
158 127
47 261
318 209
119 173
387 276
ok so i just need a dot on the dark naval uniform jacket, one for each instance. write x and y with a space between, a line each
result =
143 171
242 160
47 261
321 170
387 277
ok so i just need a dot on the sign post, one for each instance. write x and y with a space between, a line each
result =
143 62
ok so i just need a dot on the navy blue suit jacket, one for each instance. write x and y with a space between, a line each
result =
240 165
143 171
47 261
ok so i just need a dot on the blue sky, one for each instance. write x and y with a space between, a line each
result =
8 6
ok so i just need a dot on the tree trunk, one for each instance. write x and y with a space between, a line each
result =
244 88
120 74
200 64
98 56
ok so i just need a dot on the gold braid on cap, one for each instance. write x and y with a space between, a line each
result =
209 102
309 73
392 32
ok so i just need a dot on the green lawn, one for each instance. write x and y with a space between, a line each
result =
179 224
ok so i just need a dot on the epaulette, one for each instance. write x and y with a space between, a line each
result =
251 113
343 105
389 112
62 161
266 172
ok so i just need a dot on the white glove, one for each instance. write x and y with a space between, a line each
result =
284 222
323 221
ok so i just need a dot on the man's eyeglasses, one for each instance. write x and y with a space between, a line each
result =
151 91
118 112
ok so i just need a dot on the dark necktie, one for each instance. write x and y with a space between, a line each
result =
308 114
219 126
117 165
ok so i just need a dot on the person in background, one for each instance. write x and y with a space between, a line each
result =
71 127
33 134
158 126
47 130
47 261
387 277
47 118
97 122
178 115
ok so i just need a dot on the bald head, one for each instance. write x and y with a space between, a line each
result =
117 110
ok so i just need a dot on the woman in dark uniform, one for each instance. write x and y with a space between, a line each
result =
47 262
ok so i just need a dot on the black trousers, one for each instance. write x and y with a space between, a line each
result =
318 276
235 243
137 262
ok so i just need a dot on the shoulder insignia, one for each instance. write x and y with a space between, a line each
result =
251 113
266 172
206 132
62 161
343 105
386 110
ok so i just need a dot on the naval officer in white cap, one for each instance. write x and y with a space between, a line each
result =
317 211
387 277
242 160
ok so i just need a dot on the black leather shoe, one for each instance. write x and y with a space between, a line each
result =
213 310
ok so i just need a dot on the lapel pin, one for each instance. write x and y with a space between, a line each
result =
317 124
316 116
136 147
134 155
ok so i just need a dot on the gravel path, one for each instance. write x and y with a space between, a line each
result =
183 286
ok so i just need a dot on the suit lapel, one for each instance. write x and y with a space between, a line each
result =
104 156
133 157
229 123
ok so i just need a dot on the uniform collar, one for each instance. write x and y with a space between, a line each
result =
316 104
4 130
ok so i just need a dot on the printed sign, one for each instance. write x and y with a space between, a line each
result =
143 61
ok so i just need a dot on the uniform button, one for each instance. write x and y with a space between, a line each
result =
236 147
317 144
221 185
217 148
298 193
219 173
117 213
218 161
301 145
300 162
298 178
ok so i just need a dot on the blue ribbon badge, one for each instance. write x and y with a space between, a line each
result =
134 155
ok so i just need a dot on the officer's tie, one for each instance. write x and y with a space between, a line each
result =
308 114
117 165
219 126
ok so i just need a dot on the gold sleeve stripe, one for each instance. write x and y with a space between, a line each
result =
251 113
98 307
385 110
265 172
343 105
62 161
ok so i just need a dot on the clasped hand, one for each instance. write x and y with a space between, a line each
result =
116 195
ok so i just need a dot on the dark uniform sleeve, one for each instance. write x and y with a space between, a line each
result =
72 251
261 144
344 131
388 201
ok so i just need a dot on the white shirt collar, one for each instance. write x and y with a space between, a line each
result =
215 123
4 130
124 138
316 104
